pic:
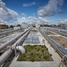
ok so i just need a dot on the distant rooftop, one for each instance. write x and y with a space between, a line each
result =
2 23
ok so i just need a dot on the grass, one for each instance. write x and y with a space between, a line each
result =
35 53
34 30
49 33
61 40
56 38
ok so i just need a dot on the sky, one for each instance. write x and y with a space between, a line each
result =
33 11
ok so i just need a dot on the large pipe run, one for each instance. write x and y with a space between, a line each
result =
13 40
8 32
60 50
7 53
3 30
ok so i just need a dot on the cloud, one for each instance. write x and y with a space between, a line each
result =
32 20
23 20
6 14
43 20
63 20
28 20
60 2
50 9
23 14
60 11
28 4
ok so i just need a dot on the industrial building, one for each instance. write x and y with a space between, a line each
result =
2 25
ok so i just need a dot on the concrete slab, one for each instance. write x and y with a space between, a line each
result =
55 57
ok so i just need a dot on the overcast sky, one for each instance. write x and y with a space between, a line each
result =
33 11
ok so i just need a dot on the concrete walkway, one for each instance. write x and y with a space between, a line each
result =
54 63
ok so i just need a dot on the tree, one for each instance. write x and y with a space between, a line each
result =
18 25
11 26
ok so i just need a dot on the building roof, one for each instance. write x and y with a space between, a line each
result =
2 23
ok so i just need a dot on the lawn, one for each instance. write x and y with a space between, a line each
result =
49 33
34 30
35 53
61 40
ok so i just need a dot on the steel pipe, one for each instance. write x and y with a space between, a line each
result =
7 53
12 40
21 49
61 51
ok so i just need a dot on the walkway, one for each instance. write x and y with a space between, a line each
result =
54 63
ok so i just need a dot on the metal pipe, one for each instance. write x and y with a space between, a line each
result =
7 32
58 31
3 30
12 40
21 49
7 53
61 51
